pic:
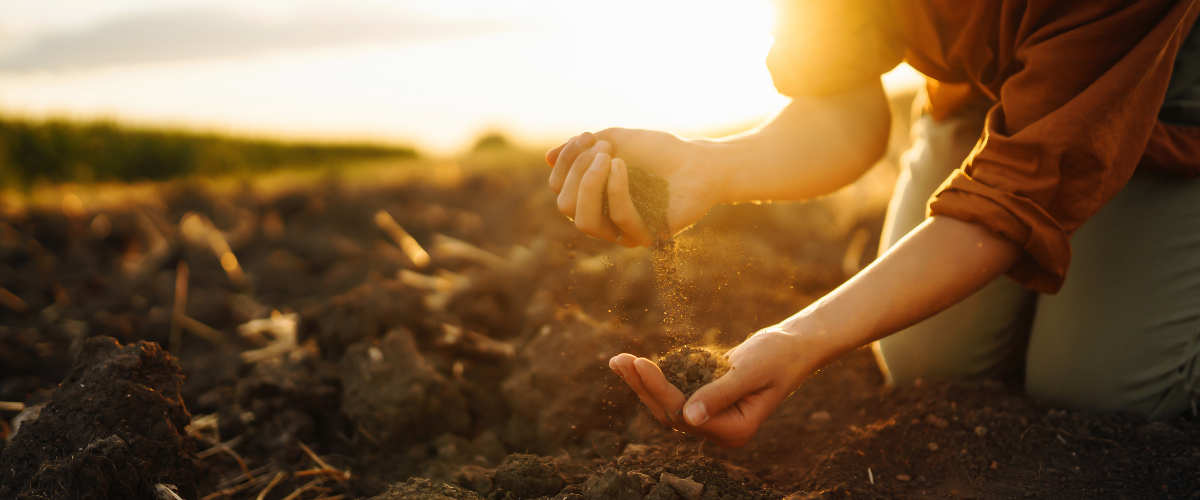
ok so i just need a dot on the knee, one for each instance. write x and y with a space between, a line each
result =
1080 385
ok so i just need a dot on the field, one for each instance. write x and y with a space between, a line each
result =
314 353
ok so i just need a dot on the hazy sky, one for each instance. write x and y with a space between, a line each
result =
435 74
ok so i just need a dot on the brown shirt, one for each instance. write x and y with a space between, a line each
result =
1077 87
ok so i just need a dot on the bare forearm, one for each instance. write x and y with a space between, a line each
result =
815 146
940 263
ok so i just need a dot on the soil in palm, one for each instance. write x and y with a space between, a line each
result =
690 368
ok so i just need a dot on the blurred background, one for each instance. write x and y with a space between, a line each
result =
434 75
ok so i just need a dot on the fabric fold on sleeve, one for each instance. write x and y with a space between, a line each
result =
1016 218
1069 128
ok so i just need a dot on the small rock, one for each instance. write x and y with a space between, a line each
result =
820 416
903 477
612 484
527 476
981 431
661 491
937 421
647 482
994 465
933 447
686 488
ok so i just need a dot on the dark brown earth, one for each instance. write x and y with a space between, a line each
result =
397 371
113 429
689 368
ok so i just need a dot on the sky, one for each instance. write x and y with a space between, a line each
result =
433 74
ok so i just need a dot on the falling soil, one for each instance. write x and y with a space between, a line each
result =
690 368
651 197
419 382
114 429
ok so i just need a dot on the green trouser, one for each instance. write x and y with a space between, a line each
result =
1122 334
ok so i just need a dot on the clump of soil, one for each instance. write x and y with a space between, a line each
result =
395 395
690 368
612 484
651 197
114 429
528 476
423 489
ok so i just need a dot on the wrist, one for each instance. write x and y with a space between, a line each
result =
711 161
820 341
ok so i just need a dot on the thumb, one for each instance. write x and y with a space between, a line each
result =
719 395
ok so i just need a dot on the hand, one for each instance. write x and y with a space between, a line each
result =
767 367
591 167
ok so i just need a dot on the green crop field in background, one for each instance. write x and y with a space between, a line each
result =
56 151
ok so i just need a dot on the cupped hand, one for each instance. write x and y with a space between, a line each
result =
767 367
591 168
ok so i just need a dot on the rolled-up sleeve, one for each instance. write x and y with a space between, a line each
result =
823 47
1069 128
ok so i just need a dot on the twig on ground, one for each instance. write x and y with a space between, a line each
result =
445 247
241 463
12 301
274 481
474 345
371 438
16 406
407 243
308 486
180 309
219 447
166 492
200 231
1089 438
224 492
324 467
282 328
212 335
239 478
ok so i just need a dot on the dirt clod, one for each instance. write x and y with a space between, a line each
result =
685 487
662 491
113 429
423 489
690 368
528 476
395 395
612 484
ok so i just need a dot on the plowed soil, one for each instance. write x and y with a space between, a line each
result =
371 375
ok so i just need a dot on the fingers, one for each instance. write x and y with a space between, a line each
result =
570 186
552 155
589 208
620 207
623 364
566 158
720 394
658 387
